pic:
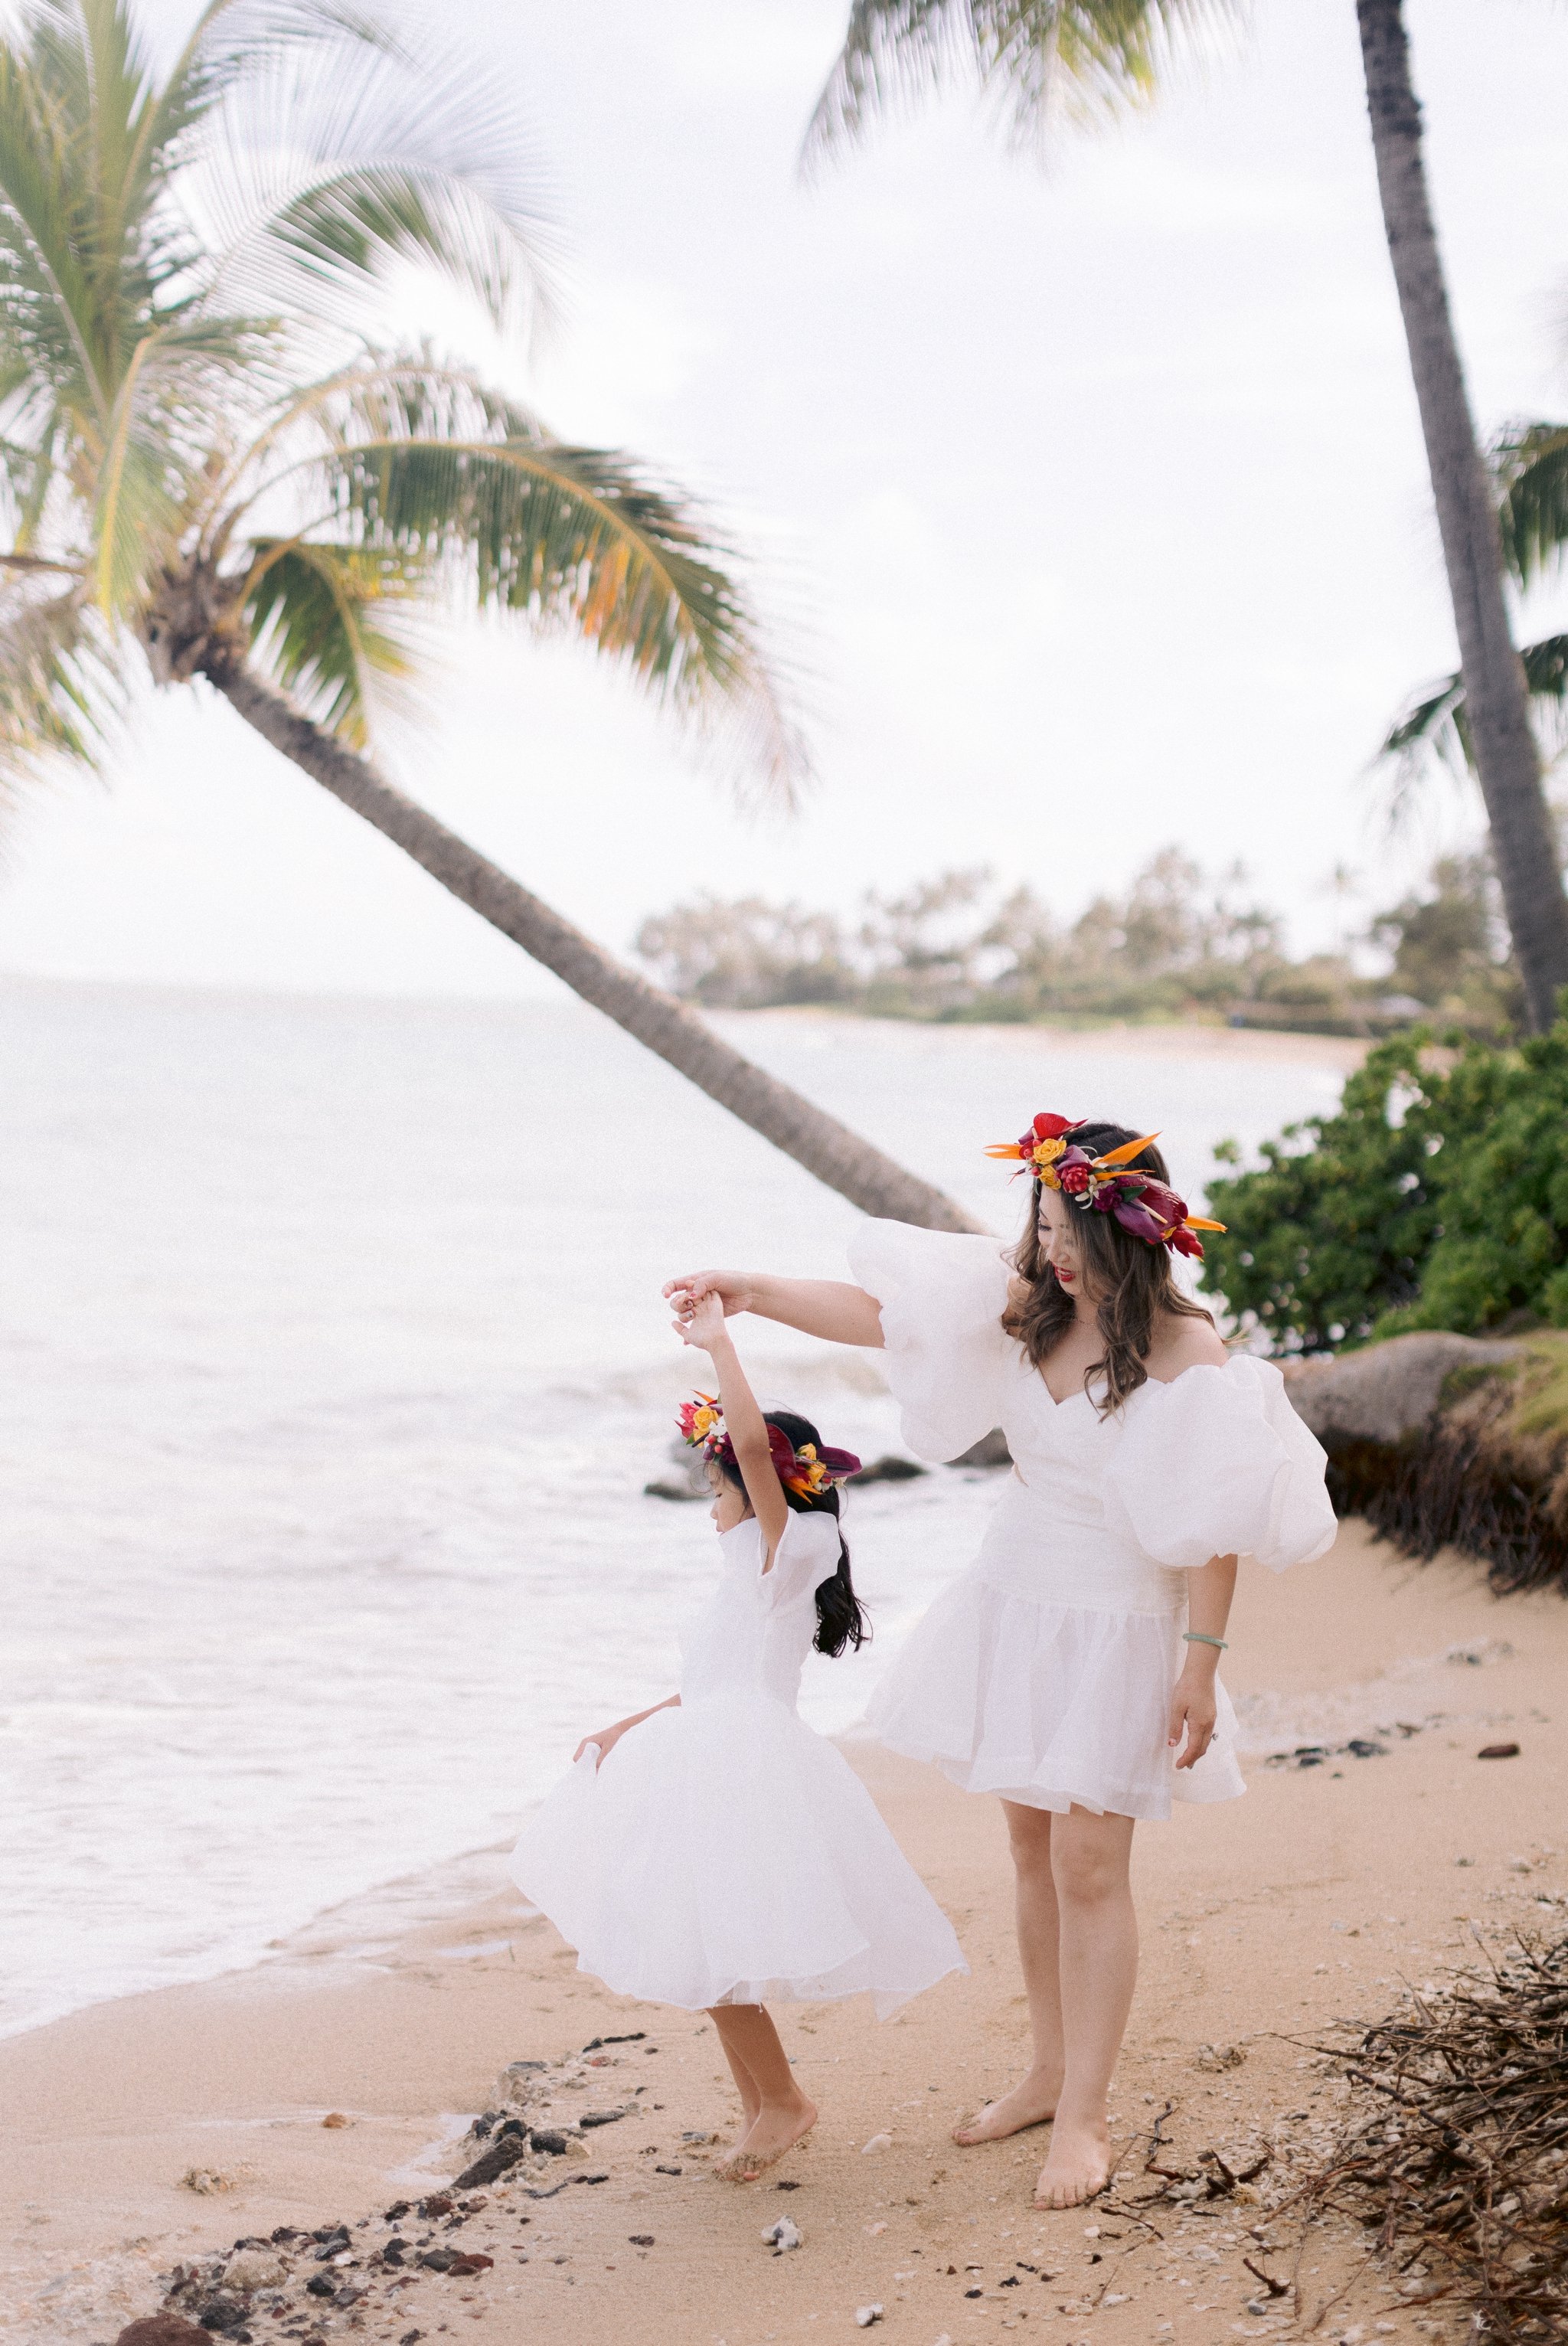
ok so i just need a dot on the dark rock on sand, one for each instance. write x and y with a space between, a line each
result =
221 2314
161 2329
491 2164
890 1469
546 2138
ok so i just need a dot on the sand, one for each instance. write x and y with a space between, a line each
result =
1263 1919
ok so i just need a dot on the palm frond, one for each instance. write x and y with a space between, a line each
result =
61 684
1089 58
420 462
336 626
1434 731
1529 465
46 292
318 186
158 437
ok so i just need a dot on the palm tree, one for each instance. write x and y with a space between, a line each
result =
1529 468
1100 55
208 464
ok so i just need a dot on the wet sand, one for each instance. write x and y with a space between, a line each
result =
1263 1919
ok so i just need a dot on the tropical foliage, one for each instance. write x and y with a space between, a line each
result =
205 449
1529 468
1177 943
1095 58
1436 1196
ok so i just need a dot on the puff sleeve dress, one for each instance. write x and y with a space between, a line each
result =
1044 1672
724 1853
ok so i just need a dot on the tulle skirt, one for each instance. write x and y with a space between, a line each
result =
1053 1705
724 1853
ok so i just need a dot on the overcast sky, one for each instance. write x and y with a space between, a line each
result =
1092 498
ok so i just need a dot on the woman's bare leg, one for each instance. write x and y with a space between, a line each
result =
784 2116
1099 1967
1034 2099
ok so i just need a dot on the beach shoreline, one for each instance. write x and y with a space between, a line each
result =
1264 1919
1208 1037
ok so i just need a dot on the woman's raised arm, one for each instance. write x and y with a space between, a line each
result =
830 1308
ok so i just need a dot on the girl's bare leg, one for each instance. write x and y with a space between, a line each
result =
784 2116
1034 2099
746 2086
1097 1968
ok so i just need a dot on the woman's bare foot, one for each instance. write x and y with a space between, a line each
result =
1028 2105
1079 2166
774 2131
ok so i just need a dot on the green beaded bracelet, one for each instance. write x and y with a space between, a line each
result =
1196 1637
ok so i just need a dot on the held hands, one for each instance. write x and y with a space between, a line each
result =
1193 1711
730 1289
702 1325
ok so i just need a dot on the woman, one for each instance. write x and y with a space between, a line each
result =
1073 1670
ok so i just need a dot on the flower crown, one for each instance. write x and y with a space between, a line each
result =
809 1472
1143 1206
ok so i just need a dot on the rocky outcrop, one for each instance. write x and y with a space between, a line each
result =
1445 1441
1388 1392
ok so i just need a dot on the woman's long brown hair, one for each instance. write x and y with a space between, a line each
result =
1132 1277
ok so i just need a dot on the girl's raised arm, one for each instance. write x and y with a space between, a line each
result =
744 1423
833 1308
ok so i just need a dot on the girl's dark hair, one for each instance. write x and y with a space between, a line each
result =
1132 1277
841 1615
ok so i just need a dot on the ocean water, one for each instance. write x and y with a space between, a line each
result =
335 1365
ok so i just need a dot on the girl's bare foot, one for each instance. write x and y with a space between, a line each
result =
1028 2105
1079 2166
775 2131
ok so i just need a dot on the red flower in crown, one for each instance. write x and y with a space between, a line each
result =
809 1471
1145 1208
1041 1146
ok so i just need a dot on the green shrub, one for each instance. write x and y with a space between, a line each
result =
1435 1197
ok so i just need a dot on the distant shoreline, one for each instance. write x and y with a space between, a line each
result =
1206 1038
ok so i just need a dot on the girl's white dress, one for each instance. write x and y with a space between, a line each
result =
724 1853
1044 1672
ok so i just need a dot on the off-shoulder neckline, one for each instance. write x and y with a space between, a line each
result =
1164 1384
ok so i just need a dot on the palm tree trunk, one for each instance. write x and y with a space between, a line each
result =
1496 700
814 1139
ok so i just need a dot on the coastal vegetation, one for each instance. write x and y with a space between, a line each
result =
1435 1199
1435 1195
1093 59
1179 943
216 466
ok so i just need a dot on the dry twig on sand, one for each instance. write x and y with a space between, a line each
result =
1457 2152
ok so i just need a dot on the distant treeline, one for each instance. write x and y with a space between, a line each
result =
1179 943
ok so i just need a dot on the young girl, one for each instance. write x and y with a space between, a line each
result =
1072 1670
713 1852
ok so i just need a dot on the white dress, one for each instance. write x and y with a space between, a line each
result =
724 1853
1044 1672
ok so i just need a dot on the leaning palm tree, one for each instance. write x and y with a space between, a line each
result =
1097 57
211 467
